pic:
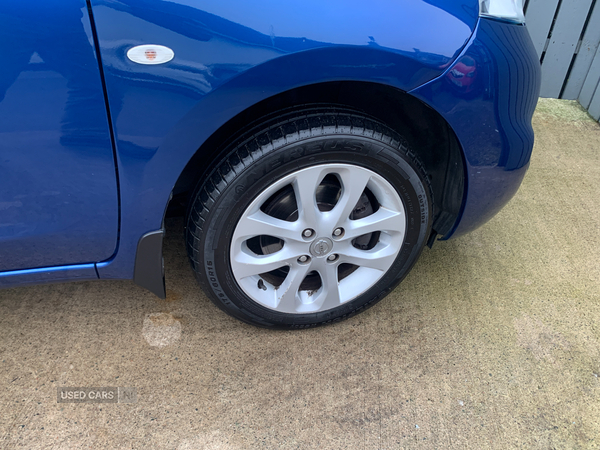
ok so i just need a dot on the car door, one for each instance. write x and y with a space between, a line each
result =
58 185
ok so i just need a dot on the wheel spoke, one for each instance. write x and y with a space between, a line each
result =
261 224
245 264
354 181
383 220
331 289
380 258
287 293
305 189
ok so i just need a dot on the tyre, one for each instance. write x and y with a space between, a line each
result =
310 218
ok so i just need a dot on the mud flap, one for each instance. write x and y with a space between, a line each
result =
149 271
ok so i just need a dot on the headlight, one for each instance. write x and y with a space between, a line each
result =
511 10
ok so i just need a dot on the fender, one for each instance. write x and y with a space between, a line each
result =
227 60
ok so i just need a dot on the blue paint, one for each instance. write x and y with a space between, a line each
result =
80 272
226 63
58 195
488 97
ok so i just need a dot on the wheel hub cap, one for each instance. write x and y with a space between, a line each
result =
321 247
270 247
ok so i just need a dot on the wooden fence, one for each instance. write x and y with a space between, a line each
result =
566 35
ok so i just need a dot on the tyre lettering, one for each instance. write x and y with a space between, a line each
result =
423 212
315 148
213 279
341 145
275 164
298 152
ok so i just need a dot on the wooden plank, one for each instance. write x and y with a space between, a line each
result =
595 105
563 42
591 82
585 57
540 14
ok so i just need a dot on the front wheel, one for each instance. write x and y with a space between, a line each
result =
310 219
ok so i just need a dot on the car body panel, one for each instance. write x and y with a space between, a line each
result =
490 112
481 76
58 190
231 55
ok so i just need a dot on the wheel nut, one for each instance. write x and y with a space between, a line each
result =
308 233
332 257
338 232
303 259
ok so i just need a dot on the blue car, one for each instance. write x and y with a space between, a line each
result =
315 147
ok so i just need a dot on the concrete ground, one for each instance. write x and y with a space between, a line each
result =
493 341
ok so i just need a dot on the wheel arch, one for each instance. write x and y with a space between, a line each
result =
426 130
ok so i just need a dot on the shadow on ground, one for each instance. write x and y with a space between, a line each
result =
491 342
